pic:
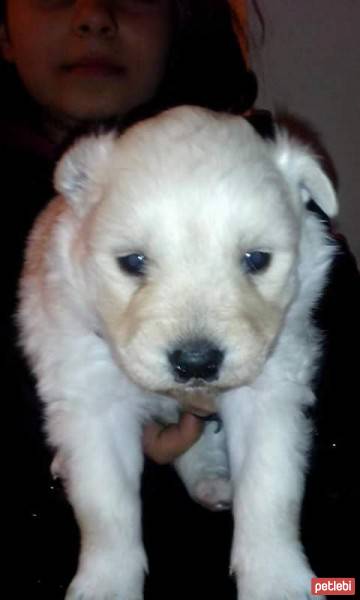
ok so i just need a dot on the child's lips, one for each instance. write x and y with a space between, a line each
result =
94 67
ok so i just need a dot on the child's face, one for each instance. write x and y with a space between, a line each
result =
88 59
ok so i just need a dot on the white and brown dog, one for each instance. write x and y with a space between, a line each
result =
177 270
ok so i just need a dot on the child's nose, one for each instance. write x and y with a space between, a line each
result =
94 17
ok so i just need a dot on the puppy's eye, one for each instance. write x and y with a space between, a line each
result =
256 261
134 264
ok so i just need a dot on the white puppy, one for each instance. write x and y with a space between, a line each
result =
177 270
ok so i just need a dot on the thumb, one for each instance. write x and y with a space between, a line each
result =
164 444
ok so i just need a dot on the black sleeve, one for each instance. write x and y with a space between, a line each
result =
331 515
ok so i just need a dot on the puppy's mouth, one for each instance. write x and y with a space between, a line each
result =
196 397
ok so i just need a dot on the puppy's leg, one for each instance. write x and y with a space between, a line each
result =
100 460
204 469
268 480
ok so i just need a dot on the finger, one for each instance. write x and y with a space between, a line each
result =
164 444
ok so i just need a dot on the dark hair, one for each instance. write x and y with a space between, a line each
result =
14 100
205 66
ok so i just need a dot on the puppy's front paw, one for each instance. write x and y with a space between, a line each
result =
108 578
214 492
288 578
283 590
86 586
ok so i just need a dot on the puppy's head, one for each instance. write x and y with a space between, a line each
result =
189 225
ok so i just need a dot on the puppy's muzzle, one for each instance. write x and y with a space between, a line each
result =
196 359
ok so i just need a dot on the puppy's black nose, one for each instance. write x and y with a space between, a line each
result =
196 359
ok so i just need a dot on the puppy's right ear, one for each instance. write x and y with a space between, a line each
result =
81 172
303 170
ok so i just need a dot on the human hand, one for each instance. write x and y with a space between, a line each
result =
165 443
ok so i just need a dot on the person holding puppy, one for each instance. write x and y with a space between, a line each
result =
71 65
90 62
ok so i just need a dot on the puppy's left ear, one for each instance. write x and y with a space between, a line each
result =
303 171
81 172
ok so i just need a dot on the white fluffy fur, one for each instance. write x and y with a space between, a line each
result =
193 191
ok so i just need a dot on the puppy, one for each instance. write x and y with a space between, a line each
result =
176 271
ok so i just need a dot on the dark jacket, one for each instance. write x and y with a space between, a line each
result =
188 547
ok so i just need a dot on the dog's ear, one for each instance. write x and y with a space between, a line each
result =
303 170
81 171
